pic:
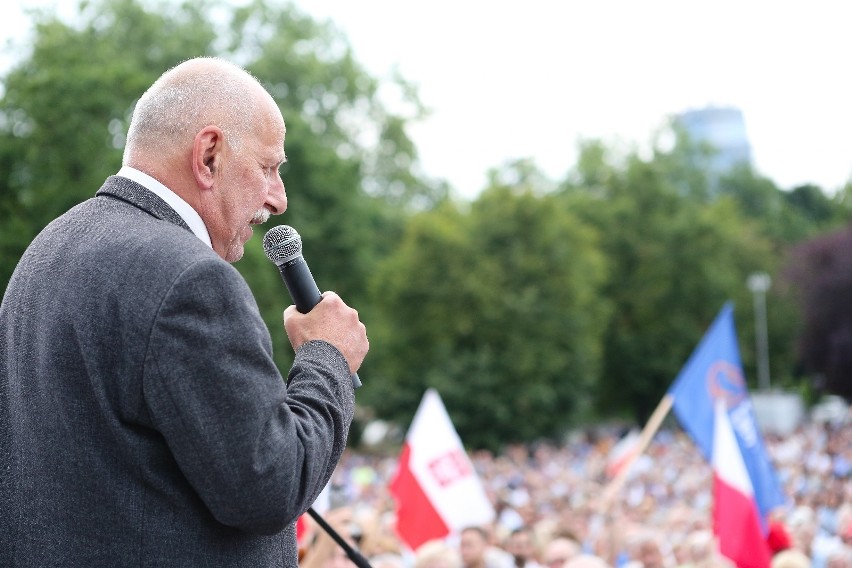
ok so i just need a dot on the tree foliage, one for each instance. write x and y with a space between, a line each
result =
676 255
498 308
820 271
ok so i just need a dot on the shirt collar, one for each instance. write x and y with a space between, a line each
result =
181 207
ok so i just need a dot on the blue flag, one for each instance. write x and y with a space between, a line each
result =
714 372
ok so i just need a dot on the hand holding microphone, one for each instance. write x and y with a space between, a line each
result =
314 316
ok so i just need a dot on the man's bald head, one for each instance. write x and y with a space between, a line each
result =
211 134
194 94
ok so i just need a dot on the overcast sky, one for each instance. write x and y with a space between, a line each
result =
510 80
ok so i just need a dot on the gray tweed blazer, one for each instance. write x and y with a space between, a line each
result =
142 420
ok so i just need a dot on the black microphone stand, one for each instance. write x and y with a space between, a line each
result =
353 554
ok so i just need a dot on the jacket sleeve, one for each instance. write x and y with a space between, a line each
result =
256 450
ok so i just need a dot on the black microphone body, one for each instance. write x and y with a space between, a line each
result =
283 246
300 283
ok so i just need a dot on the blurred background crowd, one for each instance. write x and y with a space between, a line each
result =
549 511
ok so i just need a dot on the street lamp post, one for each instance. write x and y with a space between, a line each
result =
759 283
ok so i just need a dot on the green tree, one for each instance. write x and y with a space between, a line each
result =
498 308
676 256
820 273
784 216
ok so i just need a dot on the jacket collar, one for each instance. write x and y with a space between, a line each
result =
146 200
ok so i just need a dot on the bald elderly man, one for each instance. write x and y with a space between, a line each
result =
142 419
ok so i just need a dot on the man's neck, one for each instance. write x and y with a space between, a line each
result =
175 201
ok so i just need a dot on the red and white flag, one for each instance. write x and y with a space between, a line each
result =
622 453
736 518
436 489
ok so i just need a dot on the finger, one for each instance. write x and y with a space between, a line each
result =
289 312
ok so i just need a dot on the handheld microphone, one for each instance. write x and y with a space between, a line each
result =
283 246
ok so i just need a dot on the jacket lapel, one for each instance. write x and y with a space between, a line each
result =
135 194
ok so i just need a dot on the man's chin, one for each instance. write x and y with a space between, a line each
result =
235 254
237 248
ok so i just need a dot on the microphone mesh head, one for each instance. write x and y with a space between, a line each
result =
282 243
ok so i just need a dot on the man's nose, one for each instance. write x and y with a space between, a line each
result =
276 200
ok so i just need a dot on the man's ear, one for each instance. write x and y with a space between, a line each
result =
207 155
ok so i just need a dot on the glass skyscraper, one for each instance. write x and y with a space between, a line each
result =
722 128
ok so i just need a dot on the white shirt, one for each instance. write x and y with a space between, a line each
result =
184 209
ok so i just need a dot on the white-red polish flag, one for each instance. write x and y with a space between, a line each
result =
436 489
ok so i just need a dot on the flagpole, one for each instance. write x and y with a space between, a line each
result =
648 432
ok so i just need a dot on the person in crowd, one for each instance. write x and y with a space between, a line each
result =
700 549
477 551
522 546
387 560
437 554
587 561
559 550
791 558
645 550
840 557
323 551
143 421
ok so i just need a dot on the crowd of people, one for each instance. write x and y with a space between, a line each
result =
549 514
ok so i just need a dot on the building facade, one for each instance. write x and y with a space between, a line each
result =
723 129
